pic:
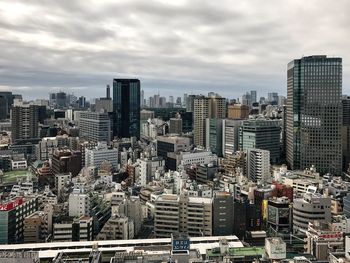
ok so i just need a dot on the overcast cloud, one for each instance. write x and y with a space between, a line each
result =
179 46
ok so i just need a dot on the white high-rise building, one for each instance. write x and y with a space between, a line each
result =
79 202
258 165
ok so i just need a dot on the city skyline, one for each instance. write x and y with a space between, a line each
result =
81 46
174 131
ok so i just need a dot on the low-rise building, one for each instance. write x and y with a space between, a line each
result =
148 168
197 157
275 248
36 227
192 215
310 208
279 214
12 215
323 240
117 228
19 164
73 229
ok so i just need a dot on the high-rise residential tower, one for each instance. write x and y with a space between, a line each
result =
314 114
126 108
211 107
25 121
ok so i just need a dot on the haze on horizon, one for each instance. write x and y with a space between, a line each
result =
173 47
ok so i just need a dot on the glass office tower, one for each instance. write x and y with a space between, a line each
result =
126 108
261 134
314 114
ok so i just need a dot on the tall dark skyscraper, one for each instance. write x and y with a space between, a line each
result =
346 132
314 114
126 108
6 101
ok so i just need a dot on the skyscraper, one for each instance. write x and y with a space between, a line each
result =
314 114
61 100
346 132
213 135
95 126
258 165
162 102
212 107
126 108
261 134
253 96
230 136
108 92
156 100
6 101
25 122
82 102
247 99
190 103
142 98
184 102
273 98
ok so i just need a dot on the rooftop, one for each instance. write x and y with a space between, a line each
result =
12 176
47 250
239 251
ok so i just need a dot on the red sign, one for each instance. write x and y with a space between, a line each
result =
331 236
11 205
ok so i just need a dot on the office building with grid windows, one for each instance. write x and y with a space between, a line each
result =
314 114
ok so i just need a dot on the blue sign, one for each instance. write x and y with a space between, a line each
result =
182 244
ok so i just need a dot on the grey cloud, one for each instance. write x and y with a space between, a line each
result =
194 46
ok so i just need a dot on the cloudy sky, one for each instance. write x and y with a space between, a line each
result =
173 46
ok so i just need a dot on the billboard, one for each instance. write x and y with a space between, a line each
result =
11 204
181 244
